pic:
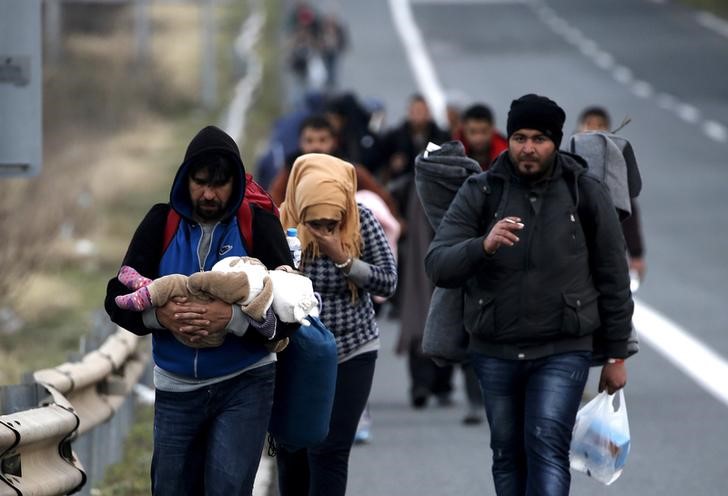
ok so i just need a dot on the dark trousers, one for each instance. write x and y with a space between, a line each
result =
323 470
209 441
427 378
472 386
531 407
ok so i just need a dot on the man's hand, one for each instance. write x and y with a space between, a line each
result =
185 318
503 233
194 321
613 378
218 315
638 265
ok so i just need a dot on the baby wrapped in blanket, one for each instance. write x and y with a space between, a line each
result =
243 281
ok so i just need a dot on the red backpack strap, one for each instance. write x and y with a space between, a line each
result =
256 194
170 228
245 224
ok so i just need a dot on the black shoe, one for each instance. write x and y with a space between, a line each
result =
419 398
419 402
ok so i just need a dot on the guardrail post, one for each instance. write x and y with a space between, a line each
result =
36 428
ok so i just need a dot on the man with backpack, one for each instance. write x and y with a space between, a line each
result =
212 404
597 118
537 247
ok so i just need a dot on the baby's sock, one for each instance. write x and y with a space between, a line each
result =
138 301
132 279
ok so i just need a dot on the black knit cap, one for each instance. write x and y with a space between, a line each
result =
537 112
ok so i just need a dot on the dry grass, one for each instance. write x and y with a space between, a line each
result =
55 294
114 133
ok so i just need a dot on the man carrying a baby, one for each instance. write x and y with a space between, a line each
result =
213 366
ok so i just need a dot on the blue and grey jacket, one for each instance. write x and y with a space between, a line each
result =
147 255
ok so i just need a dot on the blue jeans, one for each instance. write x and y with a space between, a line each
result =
209 441
531 407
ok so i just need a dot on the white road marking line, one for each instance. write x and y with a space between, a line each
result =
666 101
264 476
688 354
622 74
688 113
642 89
604 60
716 131
713 22
419 60
575 36
589 48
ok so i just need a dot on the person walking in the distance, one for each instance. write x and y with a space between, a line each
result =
482 141
538 247
212 403
597 119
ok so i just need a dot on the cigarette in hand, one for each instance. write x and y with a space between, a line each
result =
511 221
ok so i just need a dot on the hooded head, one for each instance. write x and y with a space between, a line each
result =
210 147
537 112
323 188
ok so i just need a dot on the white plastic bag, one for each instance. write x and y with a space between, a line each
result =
293 297
600 442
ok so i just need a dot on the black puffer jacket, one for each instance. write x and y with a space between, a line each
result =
566 279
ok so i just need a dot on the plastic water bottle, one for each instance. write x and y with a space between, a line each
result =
294 245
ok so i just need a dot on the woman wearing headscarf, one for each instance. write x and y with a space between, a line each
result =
347 257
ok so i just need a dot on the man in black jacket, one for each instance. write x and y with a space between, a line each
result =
212 403
537 246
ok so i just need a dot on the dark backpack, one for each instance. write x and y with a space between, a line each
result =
254 195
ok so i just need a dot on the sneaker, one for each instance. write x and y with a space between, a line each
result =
363 430
363 436
419 398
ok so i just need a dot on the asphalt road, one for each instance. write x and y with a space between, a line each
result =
653 61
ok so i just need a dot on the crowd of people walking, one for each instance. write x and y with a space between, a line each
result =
529 246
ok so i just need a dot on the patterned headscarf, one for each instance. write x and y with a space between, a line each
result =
322 187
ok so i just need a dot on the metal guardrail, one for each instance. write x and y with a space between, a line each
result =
97 384
40 422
